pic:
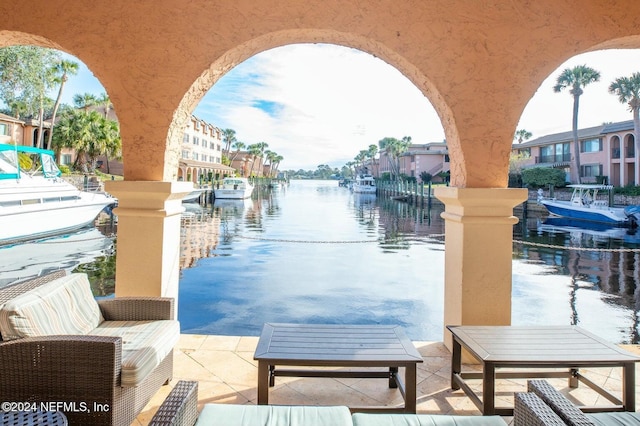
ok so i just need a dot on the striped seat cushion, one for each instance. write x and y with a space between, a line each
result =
144 345
63 306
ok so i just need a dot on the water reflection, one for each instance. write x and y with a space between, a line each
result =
89 250
579 274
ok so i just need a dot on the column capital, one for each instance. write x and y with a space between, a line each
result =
148 198
479 202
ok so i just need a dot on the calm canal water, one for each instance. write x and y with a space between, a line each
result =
314 252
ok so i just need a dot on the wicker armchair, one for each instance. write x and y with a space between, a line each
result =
82 372
543 405
180 407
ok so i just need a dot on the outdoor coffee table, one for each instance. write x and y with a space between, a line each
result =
538 349
337 346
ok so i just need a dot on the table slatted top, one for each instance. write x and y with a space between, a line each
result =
543 345
335 344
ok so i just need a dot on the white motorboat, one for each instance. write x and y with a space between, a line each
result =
236 188
364 184
36 202
588 203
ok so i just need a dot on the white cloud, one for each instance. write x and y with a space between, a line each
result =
331 102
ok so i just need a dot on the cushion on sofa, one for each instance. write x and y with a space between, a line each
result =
615 418
273 415
144 345
364 419
63 306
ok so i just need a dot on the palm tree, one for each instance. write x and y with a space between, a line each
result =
84 101
271 156
18 108
628 91
575 79
105 102
394 149
238 146
229 138
62 69
256 150
522 135
371 153
276 160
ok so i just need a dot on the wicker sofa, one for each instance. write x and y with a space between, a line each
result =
543 405
100 361
180 408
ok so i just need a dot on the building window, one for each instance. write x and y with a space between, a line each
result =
591 170
559 152
195 156
185 154
185 138
196 140
591 145
204 143
65 159
4 129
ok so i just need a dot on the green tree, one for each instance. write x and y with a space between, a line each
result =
425 177
229 138
371 154
104 101
575 79
84 101
394 149
522 135
257 150
627 89
89 134
238 146
26 75
62 69
538 177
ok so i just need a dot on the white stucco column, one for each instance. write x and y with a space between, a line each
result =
148 243
478 254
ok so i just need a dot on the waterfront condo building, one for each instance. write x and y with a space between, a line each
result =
607 153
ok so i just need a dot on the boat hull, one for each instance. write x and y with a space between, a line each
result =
37 221
611 215
233 194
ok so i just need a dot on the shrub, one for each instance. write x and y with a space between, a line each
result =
538 177
64 169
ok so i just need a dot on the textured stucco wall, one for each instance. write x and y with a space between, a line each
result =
479 62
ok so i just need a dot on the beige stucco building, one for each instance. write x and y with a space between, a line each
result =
478 62
608 150
201 154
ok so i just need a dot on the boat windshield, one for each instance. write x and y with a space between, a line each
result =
14 162
49 167
8 165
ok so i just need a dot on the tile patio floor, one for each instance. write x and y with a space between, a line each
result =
227 374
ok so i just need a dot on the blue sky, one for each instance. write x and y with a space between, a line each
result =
321 104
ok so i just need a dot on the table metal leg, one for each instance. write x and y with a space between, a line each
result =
488 389
410 384
272 375
573 377
263 383
456 363
629 386
393 372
